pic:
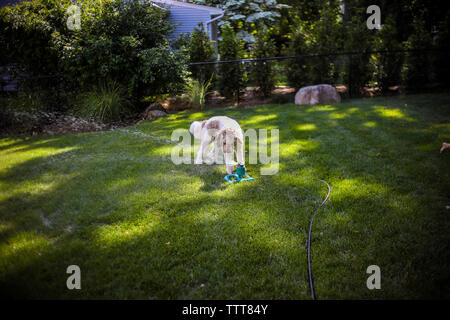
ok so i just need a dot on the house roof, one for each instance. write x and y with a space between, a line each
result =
211 10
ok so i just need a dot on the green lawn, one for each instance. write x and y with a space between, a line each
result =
139 226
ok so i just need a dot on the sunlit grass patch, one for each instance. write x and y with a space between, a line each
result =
306 127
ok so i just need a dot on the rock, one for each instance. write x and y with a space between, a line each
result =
154 111
321 93
155 106
155 114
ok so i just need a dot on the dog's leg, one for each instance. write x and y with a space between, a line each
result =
211 153
240 152
206 141
199 159
229 161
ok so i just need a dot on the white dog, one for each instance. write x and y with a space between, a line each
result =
224 133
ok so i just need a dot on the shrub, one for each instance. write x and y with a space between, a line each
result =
417 62
197 91
441 61
200 50
30 33
124 41
387 66
232 76
105 102
358 71
325 37
263 73
297 70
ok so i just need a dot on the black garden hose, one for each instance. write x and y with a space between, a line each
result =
310 276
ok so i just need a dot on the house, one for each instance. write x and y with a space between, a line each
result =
186 17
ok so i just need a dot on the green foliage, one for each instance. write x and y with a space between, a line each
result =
297 70
125 42
121 41
28 100
262 72
315 37
197 90
325 36
106 102
246 16
358 67
442 62
31 33
418 61
201 50
387 66
232 75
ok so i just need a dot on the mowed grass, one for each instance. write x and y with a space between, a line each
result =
139 226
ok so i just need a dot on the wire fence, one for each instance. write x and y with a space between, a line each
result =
354 70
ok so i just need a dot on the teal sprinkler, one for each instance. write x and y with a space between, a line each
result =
239 176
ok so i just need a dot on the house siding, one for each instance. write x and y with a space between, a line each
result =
186 20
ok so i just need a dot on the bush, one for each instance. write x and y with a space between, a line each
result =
417 62
31 33
387 66
441 62
105 102
125 42
201 50
263 73
232 77
358 71
325 37
122 41
297 70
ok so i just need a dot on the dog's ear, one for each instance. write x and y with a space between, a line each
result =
203 123
213 124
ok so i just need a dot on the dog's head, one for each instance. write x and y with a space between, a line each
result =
227 138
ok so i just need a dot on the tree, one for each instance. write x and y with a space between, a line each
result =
262 72
387 66
417 61
246 16
231 78
297 70
201 50
358 68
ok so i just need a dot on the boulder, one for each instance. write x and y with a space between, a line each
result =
155 114
321 93
155 106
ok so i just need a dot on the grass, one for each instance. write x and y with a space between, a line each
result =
139 226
